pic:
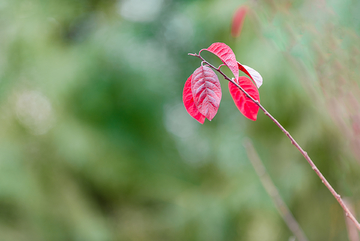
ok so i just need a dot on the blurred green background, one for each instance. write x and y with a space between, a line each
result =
95 143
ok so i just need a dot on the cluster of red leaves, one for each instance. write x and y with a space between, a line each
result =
202 91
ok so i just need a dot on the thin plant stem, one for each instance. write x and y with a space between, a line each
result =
304 153
353 234
273 192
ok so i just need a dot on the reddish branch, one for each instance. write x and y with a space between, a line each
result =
304 153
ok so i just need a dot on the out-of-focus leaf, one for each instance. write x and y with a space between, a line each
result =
238 21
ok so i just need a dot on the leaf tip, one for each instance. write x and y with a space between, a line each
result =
253 117
201 120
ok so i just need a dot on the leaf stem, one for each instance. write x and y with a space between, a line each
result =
304 153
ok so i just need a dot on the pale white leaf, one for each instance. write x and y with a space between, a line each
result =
255 75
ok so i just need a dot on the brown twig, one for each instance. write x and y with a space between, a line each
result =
304 153
273 192
353 234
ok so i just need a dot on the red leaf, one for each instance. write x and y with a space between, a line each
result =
226 55
253 74
189 102
206 91
238 21
245 105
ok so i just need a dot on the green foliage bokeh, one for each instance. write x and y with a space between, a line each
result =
96 145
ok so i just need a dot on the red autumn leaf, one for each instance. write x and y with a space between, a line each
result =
253 74
189 102
245 105
226 55
206 91
238 21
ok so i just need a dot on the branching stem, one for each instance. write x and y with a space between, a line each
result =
304 153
